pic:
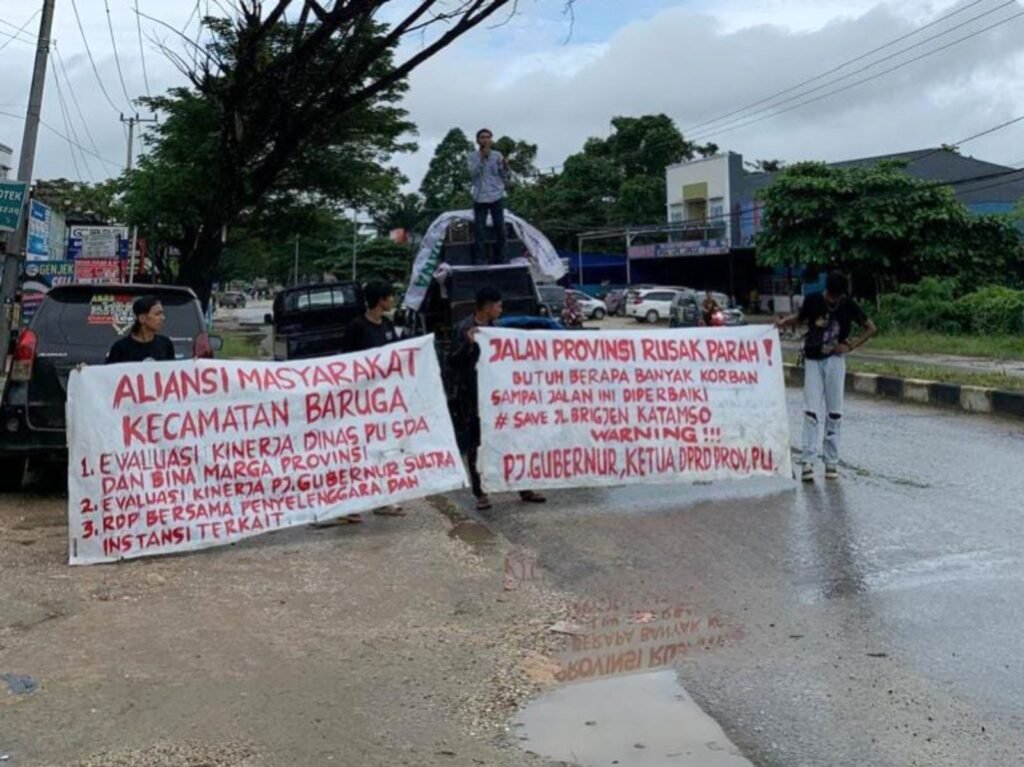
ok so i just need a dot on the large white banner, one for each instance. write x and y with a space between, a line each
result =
578 409
170 457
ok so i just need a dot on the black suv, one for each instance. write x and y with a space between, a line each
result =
310 321
77 324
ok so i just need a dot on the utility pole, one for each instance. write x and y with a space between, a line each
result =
296 259
128 166
16 242
355 240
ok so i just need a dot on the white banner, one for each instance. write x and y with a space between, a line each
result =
577 409
540 253
171 457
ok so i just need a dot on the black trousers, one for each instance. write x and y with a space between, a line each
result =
480 211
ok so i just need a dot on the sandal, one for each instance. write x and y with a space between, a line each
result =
529 496
483 503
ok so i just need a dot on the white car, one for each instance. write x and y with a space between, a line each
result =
592 308
651 305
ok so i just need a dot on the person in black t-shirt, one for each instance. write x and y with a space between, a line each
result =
144 342
830 317
373 329
370 331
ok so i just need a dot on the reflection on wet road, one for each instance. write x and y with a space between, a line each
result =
881 613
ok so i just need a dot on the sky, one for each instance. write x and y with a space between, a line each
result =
556 80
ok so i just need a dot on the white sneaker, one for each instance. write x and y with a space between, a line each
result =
807 473
831 472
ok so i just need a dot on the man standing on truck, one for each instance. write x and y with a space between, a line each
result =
465 354
489 172
830 318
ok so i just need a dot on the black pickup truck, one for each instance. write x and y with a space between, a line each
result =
310 321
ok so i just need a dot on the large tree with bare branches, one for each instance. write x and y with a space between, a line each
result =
283 88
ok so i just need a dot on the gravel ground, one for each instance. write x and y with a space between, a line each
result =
393 642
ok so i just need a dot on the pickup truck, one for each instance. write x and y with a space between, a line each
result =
310 321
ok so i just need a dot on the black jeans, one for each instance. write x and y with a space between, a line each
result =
480 211
474 473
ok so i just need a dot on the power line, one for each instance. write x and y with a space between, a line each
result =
18 32
861 81
67 125
74 99
863 69
117 58
58 134
88 50
142 50
835 69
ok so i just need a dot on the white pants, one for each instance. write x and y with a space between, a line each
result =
824 385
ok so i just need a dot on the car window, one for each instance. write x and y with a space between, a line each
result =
323 297
660 296
82 318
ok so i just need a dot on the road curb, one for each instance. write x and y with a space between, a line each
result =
969 399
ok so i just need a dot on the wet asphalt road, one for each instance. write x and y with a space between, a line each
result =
882 615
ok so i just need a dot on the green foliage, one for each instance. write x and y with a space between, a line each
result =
878 220
993 311
447 184
933 305
612 181
382 259
253 148
79 198
929 305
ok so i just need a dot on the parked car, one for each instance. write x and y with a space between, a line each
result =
310 321
591 308
77 324
651 305
232 300
687 310
552 298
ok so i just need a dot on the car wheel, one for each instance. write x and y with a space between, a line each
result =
652 316
599 314
673 323
12 471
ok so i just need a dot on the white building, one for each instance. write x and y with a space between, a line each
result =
700 195
6 161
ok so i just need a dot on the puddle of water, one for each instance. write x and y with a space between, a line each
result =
475 534
633 721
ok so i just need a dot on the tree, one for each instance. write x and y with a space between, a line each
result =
446 184
877 220
286 100
766 166
613 181
404 211
79 198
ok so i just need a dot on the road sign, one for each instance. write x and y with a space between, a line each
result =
12 200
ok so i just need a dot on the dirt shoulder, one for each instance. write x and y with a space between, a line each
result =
386 643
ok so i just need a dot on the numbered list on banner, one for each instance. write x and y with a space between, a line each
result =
180 456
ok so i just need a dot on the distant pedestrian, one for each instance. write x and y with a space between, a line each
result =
830 317
465 354
489 172
143 343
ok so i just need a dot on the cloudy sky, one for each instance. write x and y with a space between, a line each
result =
541 78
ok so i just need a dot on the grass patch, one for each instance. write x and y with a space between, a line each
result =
993 347
241 346
930 373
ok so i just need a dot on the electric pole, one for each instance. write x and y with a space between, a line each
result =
128 166
16 242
